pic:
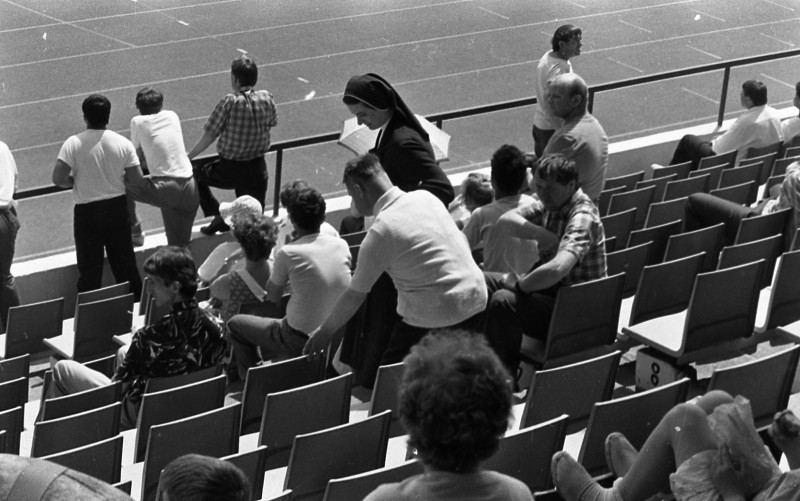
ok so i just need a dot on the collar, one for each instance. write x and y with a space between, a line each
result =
184 305
387 199
569 204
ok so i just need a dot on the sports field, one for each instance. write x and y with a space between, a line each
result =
441 55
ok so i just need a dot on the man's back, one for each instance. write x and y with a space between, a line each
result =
161 138
756 127
584 140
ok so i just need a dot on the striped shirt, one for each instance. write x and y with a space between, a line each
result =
241 122
578 225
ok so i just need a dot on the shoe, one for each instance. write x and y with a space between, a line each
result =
217 226
573 483
620 454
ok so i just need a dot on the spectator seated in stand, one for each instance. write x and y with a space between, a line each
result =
476 191
709 449
509 174
455 403
791 128
285 227
193 477
759 126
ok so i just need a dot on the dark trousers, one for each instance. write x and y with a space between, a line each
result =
691 148
509 315
405 336
104 225
540 139
704 210
9 225
245 178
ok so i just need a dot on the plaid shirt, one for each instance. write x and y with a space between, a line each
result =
581 232
241 122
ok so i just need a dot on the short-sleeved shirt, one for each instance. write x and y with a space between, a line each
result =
580 230
317 267
550 66
8 176
444 486
756 127
418 244
161 139
241 122
97 159
790 128
583 140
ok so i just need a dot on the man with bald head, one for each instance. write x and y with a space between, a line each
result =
581 138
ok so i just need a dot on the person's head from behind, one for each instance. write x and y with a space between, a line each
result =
509 168
96 111
289 190
555 181
476 191
244 71
568 95
172 275
567 41
149 101
796 100
256 235
193 477
370 100
455 400
307 210
754 93
361 175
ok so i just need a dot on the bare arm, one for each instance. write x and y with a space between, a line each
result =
549 273
274 292
62 176
203 143
221 288
142 160
133 175
345 308
514 224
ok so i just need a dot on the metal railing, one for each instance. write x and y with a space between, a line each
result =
281 146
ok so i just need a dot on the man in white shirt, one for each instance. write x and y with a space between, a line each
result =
791 128
566 44
96 164
9 225
157 136
759 126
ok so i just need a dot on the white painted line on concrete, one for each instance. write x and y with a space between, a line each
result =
242 51
768 77
493 13
776 4
785 42
634 26
183 23
700 95
634 68
708 15
577 4
704 52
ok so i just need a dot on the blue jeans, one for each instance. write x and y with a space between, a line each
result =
9 225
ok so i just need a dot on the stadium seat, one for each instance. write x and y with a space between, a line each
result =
28 326
605 199
253 464
385 393
629 261
768 249
101 459
70 432
779 304
742 194
628 181
358 486
636 199
12 422
768 163
765 225
13 368
660 184
742 174
666 212
727 159
685 187
75 403
706 240
658 235
714 175
13 393
619 226
680 171
157 384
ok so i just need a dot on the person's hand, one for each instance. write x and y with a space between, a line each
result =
317 343
727 476
785 432
509 281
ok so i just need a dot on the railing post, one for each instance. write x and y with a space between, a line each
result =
726 76
277 181
590 101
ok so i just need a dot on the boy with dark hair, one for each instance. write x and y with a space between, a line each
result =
193 477
317 268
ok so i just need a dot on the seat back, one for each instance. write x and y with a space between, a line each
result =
714 174
685 187
13 393
95 295
14 368
219 430
605 199
628 181
525 454
596 326
253 463
167 383
12 422
571 389
75 403
660 184
97 323
793 150
768 163
765 225
30 323
359 486
757 151
658 235
768 249
619 225
635 417
101 459
286 415
63 434
636 199
742 194
711 320
629 261
177 403
781 164
795 240
665 288
274 378
707 240
385 393
666 212
749 380
784 306
739 175
727 159
680 171
772 182
360 447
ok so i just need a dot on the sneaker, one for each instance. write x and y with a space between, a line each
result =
217 225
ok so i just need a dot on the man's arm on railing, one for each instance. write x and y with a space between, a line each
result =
203 143
61 174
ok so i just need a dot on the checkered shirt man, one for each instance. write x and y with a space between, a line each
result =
242 122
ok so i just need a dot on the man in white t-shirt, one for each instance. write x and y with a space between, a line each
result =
96 164
791 128
157 136
566 44
317 268
9 225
